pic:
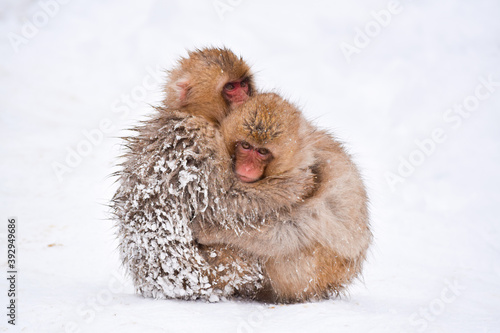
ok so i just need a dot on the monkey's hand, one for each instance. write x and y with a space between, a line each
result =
203 233
213 233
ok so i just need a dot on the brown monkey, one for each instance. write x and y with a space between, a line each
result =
316 247
177 169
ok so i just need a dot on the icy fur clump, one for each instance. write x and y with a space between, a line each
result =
170 176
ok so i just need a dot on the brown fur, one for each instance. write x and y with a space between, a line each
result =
316 246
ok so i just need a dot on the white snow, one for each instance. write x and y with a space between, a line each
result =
186 178
89 69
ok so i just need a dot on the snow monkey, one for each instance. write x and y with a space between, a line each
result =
316 246
177 169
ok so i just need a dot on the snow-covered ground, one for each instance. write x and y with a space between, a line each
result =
412 87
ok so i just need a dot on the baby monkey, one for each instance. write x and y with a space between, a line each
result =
312 247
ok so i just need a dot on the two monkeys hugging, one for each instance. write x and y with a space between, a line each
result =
230 192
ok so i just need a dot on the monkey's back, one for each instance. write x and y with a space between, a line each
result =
164 184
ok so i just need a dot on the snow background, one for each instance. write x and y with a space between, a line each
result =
439 226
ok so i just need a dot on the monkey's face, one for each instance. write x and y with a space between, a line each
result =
262 137
250 161
235 92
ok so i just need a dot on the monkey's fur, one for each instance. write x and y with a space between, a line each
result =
176 170
317 247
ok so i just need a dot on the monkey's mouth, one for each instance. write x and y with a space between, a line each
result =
246 179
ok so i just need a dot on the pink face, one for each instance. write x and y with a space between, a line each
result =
236 92
250 162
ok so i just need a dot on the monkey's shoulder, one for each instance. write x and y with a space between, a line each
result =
172 129
179 122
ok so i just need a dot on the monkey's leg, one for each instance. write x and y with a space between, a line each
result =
233 268
312 274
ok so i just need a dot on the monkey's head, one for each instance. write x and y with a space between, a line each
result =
265 137
208 82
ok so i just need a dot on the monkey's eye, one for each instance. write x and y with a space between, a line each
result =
244 83
245 145
263 151
229 86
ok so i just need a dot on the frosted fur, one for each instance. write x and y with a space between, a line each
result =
174 172
160 191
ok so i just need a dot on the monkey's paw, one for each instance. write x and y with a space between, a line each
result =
202 235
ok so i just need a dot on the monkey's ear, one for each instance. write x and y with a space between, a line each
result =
182 87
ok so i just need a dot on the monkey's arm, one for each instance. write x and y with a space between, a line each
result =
268 240
272 193
329 221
